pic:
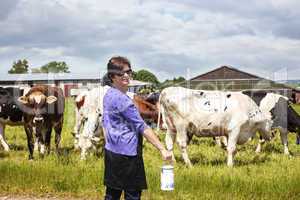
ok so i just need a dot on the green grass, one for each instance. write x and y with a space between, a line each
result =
297 107
269 175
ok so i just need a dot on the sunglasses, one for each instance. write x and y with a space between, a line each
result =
122 73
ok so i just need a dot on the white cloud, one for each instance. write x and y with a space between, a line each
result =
169 38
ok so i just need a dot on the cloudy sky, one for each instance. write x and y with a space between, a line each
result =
170 38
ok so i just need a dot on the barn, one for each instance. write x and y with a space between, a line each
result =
66 81
232 79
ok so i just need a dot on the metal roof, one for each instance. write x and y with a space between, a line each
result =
138 83
50 76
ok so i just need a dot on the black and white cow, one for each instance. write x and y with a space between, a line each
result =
202 113
10 113
279 109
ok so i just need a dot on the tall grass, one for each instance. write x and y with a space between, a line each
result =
269 175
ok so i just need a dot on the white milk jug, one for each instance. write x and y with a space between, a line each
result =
167 178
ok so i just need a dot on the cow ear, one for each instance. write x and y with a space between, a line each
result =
23 99
51 99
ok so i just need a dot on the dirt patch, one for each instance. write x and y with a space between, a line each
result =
33 198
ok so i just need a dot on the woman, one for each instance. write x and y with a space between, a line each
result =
124 130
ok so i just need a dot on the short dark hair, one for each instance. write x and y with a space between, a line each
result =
116 64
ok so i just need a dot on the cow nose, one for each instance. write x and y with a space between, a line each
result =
38 119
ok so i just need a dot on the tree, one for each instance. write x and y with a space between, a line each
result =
134 74
146 76
180 79
19 67
54 67
35 70
174 82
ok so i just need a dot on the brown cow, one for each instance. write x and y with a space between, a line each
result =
148 111
43 108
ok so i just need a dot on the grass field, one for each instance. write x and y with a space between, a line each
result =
269 175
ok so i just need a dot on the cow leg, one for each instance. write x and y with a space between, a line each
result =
218 141
42 139
84 143
298 138
261 141
58 130
284 140
30 141
231 147
224 141
221 141
76 129
84 152
37 141
48 140
2 137
182 142
37 145
169 140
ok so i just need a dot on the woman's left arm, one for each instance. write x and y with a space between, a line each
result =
133 117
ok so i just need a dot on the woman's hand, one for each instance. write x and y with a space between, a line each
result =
166 155
153 139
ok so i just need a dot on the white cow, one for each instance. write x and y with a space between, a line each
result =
81 110
210 113
89 110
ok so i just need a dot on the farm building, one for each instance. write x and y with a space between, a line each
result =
66 81
71 83
232 79
136 85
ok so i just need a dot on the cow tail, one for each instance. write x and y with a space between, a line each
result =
159 112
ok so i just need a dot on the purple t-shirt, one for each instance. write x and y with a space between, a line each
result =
122 123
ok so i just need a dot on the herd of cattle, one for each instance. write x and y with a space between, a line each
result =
232 116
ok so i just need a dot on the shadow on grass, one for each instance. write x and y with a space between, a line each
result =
271 148
65 151
257 159
4 154
296 154
17 147
70 156
202 141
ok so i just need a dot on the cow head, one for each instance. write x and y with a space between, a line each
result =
92 131
266 129
36 105
92 122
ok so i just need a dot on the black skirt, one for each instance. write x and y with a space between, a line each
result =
124 172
